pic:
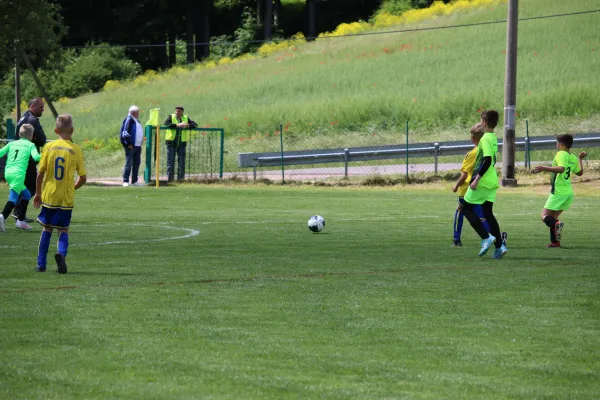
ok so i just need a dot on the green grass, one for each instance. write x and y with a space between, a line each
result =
257 307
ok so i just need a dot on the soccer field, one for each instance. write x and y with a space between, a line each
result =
222 292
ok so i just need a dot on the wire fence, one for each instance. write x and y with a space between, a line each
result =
210 155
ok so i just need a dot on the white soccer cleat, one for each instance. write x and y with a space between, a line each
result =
23 225
125 184
486 243
137 184
2 223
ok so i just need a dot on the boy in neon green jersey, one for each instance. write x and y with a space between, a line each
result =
483 187
561 193
17 160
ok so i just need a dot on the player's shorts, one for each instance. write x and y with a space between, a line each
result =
480 196
55 218
14 196
558 202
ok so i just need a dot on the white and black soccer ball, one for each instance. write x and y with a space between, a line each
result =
316 223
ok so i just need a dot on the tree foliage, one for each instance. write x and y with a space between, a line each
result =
33 25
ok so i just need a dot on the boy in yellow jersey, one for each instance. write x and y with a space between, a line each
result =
561 193
462 184
483 187
55 191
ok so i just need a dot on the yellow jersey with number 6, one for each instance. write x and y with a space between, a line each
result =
61 159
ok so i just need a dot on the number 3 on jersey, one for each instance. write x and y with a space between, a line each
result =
59 169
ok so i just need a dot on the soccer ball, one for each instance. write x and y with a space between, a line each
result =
316 223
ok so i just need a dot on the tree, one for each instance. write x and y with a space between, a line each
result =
33 25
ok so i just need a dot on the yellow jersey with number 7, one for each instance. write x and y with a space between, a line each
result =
61 159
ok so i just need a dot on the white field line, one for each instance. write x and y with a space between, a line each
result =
190 233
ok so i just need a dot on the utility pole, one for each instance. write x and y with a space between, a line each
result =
17 82
268 19
510 96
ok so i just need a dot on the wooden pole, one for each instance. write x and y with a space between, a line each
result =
39 84
510 96
17 82
157 166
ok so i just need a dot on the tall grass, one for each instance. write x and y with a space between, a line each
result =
437 79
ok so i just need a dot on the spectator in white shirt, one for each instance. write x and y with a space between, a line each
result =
132 135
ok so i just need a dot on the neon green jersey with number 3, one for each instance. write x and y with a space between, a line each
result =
561 183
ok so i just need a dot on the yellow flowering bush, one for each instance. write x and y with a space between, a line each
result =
437 9
348 29
244 57
225 61
269 48
177 71
108 86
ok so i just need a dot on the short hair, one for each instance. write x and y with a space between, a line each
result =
133 108
26 131
477 129
566 140
35 100
179 108
64 122
490 117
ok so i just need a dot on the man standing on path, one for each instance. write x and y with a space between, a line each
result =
176 140
132 135
32 117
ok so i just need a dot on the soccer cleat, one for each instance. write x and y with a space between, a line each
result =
498 253
457 243
40 269
485 245
554 244
504 236
137 184
2 229
23 225
558 227
125 184
60 263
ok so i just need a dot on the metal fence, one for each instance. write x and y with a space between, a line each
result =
415 150
203 155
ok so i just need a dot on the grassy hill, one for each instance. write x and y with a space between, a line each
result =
361 90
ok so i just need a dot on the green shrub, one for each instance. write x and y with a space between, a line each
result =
91 69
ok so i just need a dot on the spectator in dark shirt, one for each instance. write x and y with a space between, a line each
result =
32 117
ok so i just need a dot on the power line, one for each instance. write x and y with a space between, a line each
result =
134 46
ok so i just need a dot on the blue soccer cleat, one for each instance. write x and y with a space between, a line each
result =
40 269
498 253
485 245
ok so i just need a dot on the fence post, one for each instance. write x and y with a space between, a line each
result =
10 129
437 149
346 154
282 163
148 170
406 151
222 153
527 155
